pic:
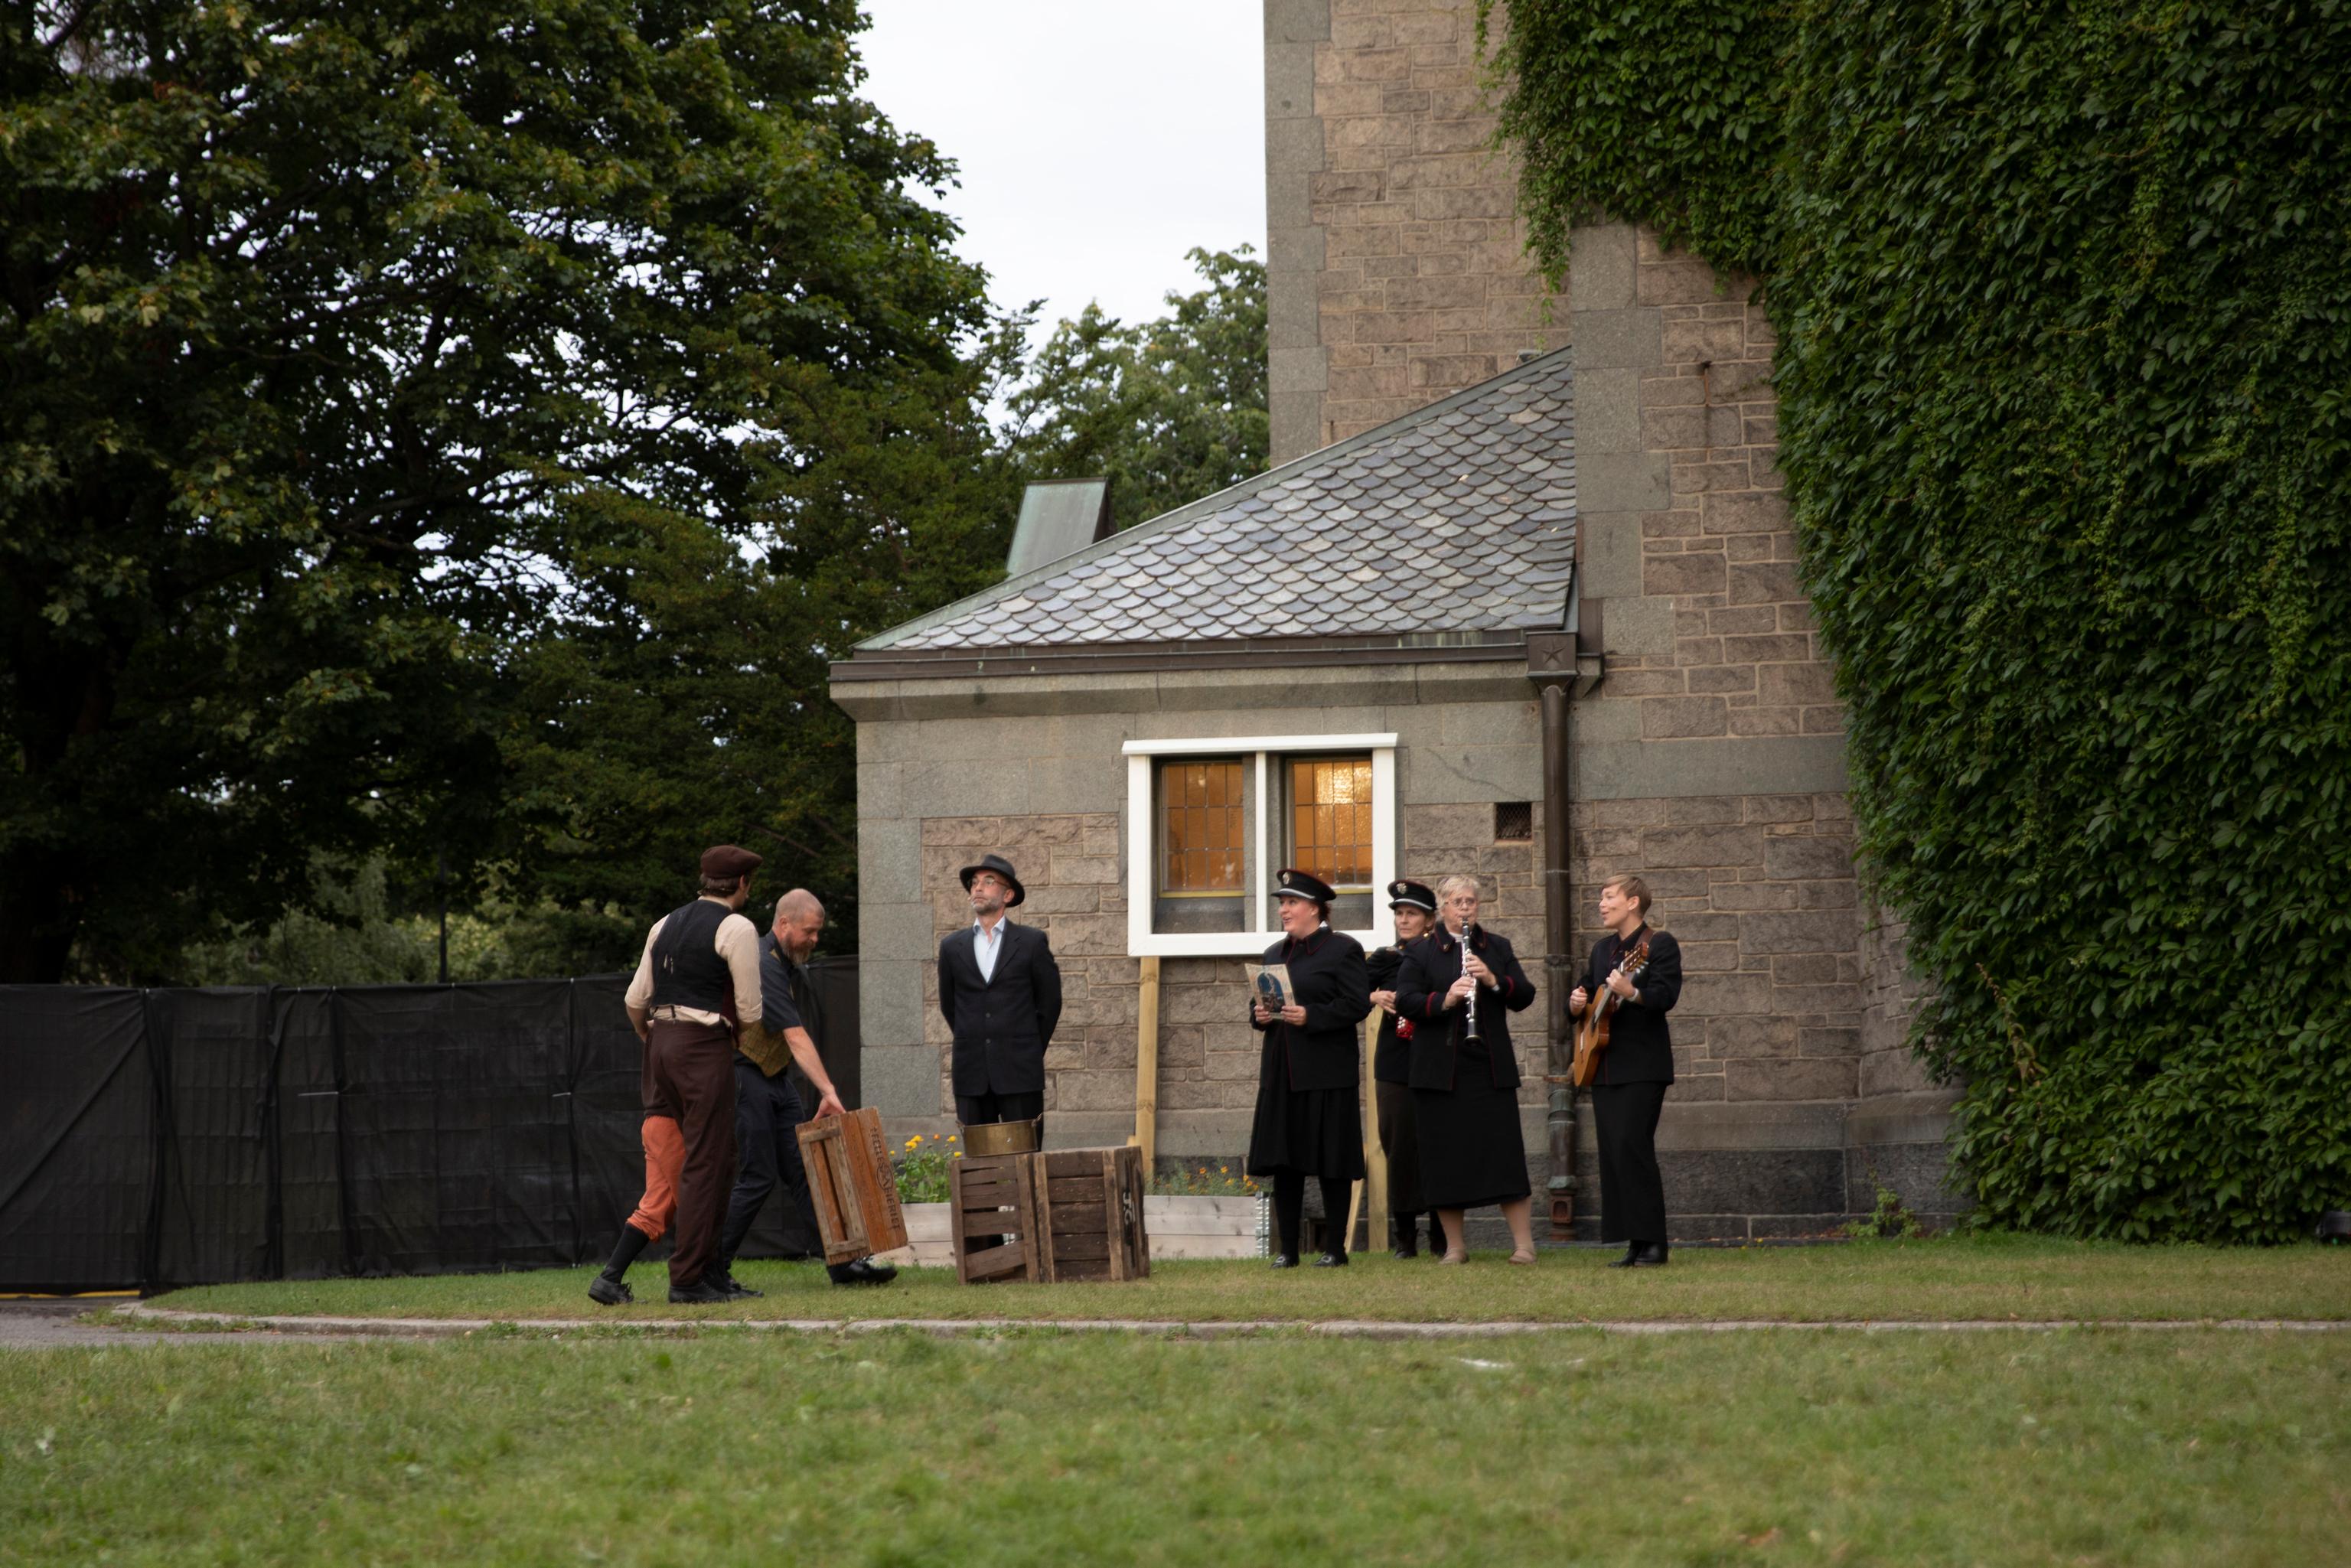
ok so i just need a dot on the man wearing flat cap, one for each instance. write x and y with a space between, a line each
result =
698 978
1001 993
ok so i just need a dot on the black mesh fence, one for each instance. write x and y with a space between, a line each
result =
170 1137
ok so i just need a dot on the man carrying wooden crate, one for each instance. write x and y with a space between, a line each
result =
768 1108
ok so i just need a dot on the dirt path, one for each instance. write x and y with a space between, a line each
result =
320 1327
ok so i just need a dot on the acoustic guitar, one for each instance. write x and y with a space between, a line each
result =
1591 1032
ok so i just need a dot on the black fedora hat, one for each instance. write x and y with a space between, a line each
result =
1295 884
1002 867
1411 896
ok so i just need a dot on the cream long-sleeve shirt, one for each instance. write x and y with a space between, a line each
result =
737 941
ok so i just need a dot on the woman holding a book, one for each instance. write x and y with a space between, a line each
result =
1309 1122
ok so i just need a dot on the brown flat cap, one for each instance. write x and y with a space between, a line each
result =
723 861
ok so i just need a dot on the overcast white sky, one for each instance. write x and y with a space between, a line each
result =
1099 140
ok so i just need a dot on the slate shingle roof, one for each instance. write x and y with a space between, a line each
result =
1457 517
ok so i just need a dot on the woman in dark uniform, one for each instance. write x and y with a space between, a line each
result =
1309 1122
1466 1092
1414 908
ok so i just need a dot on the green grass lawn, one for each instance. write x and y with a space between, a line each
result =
2080 1446
1997 1276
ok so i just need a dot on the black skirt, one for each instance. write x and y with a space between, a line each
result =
1313 1132
1471 1151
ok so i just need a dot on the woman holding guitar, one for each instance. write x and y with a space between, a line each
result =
1636 1066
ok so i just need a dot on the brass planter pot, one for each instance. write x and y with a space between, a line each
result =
1000 1138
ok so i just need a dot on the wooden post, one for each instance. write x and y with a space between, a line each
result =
1147 1067
1371 1193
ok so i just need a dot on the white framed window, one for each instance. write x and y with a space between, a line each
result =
1210 822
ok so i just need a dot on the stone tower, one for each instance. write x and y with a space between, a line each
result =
1397 264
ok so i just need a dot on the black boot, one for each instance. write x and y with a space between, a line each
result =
1335 1259
1406 1228
1632 1256
1289 1206
1647 1254
609 1288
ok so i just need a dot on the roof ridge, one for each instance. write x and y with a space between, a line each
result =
1209 504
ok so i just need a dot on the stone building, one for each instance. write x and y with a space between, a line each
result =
1341 663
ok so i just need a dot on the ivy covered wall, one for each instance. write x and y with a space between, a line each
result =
2064 294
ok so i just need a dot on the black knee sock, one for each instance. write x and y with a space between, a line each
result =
1335 1195
632 1241
1289 1205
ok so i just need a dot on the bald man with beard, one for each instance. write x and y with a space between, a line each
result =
768 1111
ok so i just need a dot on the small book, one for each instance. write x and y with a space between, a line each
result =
1272 982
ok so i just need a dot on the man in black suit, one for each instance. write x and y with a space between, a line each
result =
1635 1070
1001 993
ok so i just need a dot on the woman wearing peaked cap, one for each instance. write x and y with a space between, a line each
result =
1309 1122
1415 907
1465 1088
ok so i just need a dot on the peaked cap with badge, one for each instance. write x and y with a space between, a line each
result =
1411 896
1295 884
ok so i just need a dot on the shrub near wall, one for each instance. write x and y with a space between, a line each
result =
2065 298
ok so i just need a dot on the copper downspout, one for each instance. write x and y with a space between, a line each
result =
1550 665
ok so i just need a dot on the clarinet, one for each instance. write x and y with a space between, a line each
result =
1471 1032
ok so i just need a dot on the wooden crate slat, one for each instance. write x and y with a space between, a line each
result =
1079 1246
990 1262
1075 1189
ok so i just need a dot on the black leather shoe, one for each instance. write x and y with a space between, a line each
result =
1407 1237
607 1291
1285 1260
1632 1256
1332 1260
701 1293
1649 1255
735 1290
864 1271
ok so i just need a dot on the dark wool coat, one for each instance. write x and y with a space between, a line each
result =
1002 1024
1430 966
1391 1058
1328 979
1640 1045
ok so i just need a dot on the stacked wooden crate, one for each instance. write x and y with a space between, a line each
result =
1073 1214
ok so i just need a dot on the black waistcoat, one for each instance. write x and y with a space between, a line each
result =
687 970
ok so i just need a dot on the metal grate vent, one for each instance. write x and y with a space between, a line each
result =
1514 821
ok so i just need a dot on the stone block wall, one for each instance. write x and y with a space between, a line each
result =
1689 550
1397 265
1760 893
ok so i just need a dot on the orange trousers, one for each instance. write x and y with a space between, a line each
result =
665 1161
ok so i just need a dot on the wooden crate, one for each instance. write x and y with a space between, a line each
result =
1076 1214
992 1195
854 1184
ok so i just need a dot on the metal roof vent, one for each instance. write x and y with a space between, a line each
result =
1058 517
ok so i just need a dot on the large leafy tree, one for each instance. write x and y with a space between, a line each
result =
448 428
1170 409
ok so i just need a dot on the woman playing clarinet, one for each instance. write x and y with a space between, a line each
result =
1458 985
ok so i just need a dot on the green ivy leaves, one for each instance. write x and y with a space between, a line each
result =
2064 307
